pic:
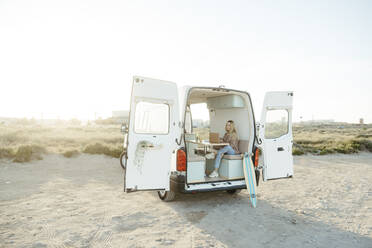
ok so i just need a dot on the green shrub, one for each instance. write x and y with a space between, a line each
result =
71 153
362 144
311 142
116 151
27 153
367 145
297 152
6 152
325 151
346 148
98 148
364 136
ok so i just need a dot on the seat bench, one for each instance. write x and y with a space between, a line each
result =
195 169
242 146
233 157
231 166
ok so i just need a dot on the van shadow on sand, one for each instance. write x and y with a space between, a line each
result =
234 222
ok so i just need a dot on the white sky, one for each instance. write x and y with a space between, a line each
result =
74 58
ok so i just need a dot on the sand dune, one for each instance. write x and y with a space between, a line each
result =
79 202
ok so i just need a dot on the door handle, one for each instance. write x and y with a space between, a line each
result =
280 149
147 146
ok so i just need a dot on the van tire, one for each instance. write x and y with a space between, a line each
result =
233 191
167 196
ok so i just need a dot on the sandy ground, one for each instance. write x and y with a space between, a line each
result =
79 202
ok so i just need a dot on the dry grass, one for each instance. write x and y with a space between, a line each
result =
23 142
26 153
7 152
28 141
336 138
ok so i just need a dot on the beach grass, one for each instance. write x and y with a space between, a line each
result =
27 140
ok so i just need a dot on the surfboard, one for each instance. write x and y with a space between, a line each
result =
250 178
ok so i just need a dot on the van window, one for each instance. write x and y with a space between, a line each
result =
276 123
188 121
151 118
200 120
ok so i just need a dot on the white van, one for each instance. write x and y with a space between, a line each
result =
164 153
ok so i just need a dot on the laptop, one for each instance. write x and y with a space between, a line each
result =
214 137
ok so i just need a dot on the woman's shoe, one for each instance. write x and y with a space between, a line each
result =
213 174
209 156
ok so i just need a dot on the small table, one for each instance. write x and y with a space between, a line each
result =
207 144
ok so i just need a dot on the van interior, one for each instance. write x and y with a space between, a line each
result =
207 111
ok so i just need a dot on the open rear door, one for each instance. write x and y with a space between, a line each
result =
153 129
276 135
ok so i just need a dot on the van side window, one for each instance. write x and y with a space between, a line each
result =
188 120
200 120
151 118
276 123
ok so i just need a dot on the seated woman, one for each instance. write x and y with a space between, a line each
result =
230 137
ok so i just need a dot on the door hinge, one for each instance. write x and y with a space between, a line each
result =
130 190
138 80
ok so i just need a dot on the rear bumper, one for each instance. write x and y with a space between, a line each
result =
177 184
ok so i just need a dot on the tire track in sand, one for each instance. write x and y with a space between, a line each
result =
103 236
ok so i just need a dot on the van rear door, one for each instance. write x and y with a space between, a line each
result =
275 133
153 129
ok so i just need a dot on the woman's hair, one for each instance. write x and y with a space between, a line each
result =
232 128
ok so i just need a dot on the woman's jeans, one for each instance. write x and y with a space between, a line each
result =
227 149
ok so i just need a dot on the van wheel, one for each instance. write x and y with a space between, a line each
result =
233 191
167 195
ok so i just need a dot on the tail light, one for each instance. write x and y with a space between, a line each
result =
181 160
256 154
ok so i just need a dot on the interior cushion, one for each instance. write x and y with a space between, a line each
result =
243 146
233 157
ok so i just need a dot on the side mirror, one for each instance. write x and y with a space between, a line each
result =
124 128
